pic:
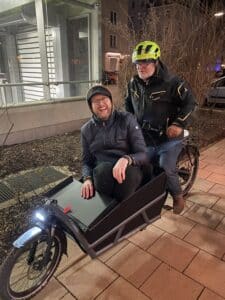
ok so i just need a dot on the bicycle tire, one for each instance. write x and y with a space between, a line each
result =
7 291
187 165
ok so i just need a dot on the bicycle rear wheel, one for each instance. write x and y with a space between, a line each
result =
187 165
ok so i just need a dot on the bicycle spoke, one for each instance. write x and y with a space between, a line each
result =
24 276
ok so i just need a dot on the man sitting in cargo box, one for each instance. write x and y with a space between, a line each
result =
113 149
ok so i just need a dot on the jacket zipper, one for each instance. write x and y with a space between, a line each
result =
104 139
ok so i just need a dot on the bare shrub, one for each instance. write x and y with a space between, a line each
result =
190 38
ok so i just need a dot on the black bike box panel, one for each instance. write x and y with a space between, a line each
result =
99 215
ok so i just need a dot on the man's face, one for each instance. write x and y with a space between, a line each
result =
145 69
101 106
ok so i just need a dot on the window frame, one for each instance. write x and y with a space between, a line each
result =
113 17
113 41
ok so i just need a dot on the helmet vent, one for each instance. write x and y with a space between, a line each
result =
147 49
139 49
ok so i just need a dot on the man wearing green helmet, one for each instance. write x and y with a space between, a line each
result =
162 103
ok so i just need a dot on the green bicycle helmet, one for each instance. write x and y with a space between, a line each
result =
146 51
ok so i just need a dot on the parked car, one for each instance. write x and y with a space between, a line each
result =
221 71
216 93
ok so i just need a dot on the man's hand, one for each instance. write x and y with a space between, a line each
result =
173 131
119 170
87 189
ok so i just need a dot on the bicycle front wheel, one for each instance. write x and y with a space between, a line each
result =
26 271
187 166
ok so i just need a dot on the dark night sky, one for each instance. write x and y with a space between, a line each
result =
211 2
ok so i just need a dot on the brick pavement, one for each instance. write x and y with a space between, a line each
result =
177 257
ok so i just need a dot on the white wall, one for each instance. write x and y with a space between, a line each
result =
37 121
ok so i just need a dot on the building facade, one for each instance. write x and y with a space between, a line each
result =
114 46
51 52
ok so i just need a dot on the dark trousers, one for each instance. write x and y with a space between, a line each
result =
105 183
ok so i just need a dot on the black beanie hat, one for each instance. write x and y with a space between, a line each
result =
97 89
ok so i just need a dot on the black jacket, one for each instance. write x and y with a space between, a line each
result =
163 100
110 140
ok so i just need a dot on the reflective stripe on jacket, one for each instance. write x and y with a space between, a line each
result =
163 100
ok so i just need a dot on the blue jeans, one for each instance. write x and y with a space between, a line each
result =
167 154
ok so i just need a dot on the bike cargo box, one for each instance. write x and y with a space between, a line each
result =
104 221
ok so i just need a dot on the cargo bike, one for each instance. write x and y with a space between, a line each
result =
95 225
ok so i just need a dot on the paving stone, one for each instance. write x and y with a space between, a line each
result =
145 238
204 215
169 284
133 264
68 297
212 152
209 271
221 227
173 251
203 173
202 198
215 169
188 204
175 224
88 281
122 290
218 161
217 178
207 239
222 156
202 164
209 295
53 290
221 143
74 254
218 190
219 205
203 185
109 253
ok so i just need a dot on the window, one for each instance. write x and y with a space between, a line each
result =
46 49
113 17
133 4
112 41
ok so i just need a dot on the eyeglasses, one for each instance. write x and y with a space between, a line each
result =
98 100
144 63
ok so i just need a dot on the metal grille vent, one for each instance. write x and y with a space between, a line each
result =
5 193
34 179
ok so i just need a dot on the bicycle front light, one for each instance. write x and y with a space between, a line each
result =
40 215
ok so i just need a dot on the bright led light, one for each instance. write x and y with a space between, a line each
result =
39 216
219 14
186 133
